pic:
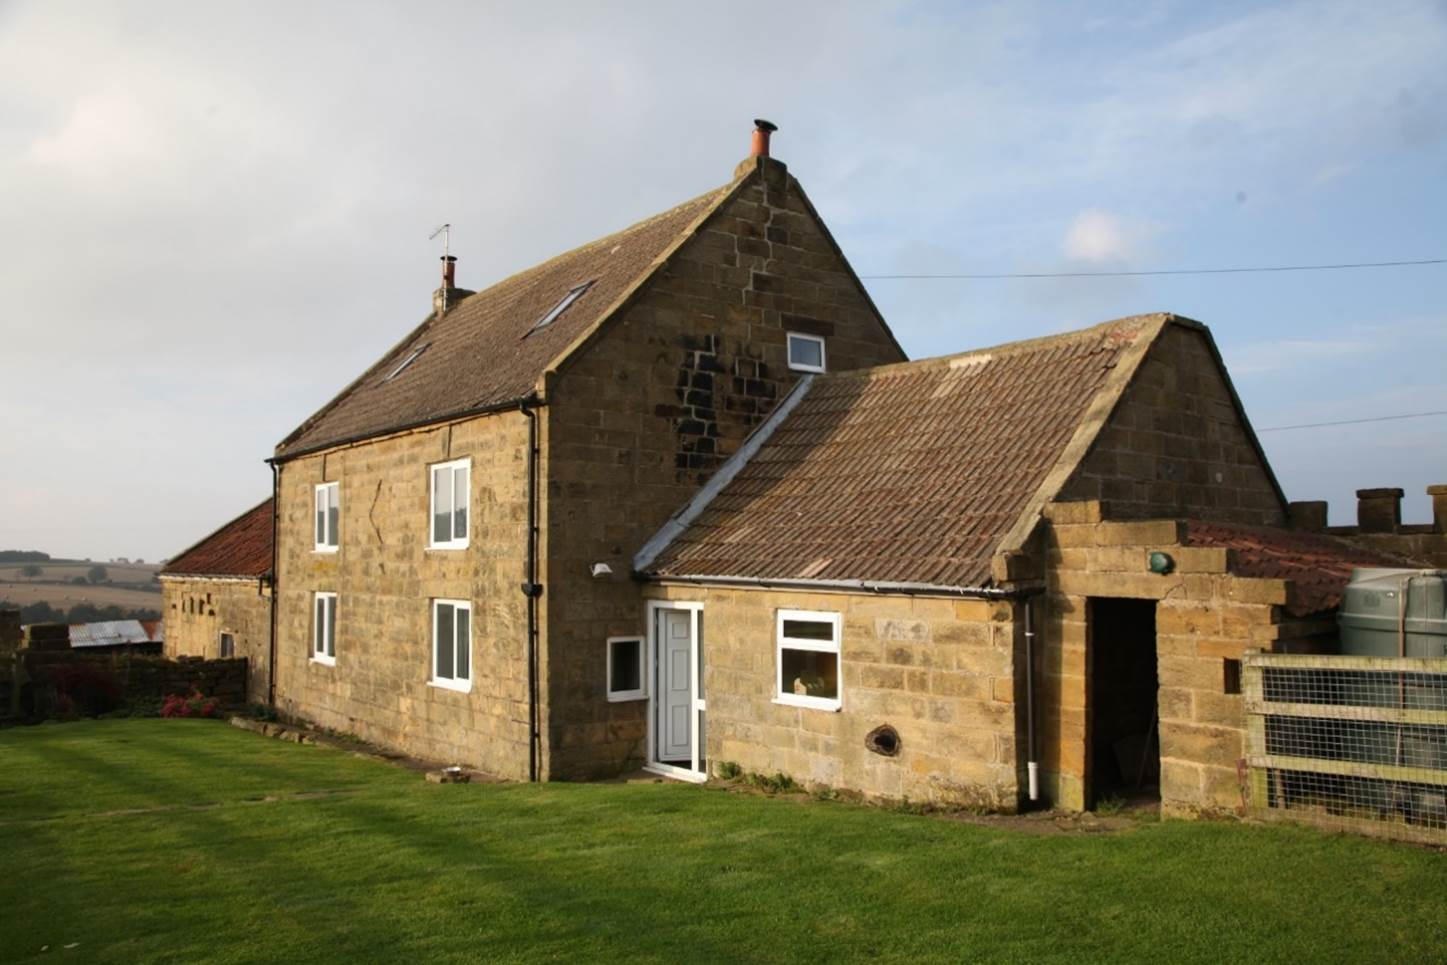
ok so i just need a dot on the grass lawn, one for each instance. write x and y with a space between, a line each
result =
98 846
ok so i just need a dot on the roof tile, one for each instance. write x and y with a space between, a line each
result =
240 548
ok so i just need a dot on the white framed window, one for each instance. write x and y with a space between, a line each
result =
807 663
626 680
806 352
227 645
328 516
324 628
452 644
451 486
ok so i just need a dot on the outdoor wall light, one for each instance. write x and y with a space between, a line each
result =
1161 563
600 570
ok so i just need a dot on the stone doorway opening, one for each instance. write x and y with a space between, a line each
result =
1123 763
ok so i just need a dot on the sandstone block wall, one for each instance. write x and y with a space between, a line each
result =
1205 617
197 611
940 671
1175 445
653 406
385 578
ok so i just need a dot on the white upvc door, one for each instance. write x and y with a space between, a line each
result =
675 696
676 705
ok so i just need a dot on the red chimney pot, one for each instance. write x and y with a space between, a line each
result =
762 130
449 271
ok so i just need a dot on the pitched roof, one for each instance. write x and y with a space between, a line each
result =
485 352
914 473
240 548
1319 565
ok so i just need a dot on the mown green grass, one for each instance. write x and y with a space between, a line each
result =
391 868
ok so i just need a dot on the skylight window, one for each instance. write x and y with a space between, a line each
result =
407 361
562 306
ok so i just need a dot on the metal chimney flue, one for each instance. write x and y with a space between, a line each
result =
760 145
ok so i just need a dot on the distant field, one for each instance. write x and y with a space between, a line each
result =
130 588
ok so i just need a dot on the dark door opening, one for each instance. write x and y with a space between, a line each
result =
1124 761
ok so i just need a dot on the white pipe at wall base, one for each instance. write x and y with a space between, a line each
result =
1034 770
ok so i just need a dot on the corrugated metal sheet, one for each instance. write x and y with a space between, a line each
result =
112 633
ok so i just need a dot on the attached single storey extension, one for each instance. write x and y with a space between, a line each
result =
216 597
1038 562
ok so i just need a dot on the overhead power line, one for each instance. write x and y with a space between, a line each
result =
1167 271
1353 422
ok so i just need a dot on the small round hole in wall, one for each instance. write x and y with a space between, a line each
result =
884 740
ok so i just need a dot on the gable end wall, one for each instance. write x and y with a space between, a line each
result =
645 413
1175 446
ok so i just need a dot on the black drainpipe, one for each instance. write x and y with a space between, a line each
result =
532 589
271 644
1032 766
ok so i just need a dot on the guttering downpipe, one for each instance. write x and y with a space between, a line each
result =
271 643
532 589
1032 765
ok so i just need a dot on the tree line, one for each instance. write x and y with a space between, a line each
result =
43 612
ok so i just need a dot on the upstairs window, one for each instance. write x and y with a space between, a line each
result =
228 645
328 516
451 483
324 627
452 644
806 353
562 306
808 660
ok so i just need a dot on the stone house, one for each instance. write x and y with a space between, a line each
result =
674 499
216 597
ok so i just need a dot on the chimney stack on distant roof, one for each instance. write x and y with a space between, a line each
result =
762 130
445 299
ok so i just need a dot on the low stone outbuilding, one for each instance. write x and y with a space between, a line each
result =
1043 557
216 597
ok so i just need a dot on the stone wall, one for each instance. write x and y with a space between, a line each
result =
1205 617
646 413
939 671
147 677
385 578
197 611
1175 445
1379 525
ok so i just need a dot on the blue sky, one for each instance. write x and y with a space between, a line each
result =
217 215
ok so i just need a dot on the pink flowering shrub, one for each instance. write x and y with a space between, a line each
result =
196 705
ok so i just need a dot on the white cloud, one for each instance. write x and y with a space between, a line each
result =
1100 236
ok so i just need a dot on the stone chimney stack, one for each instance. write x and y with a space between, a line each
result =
1379 510
445 299
1438 492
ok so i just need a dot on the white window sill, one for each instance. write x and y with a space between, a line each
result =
809 703
325 549
626 695
447 546
457 686
324 660
800 367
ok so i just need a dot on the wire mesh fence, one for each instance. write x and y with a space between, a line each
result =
1357 743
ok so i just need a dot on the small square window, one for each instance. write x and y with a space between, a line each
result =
451 486
328 516
806 353
625 669
324 628
452 644
808 660
228 645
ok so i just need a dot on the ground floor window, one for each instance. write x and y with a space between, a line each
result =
452 644
324 628
228 645
808 659
625 669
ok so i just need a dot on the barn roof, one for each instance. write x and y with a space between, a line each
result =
917 473
240 548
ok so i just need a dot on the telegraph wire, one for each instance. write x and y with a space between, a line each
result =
1353 422
1162 271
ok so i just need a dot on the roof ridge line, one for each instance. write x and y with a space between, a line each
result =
1021 345
682 519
